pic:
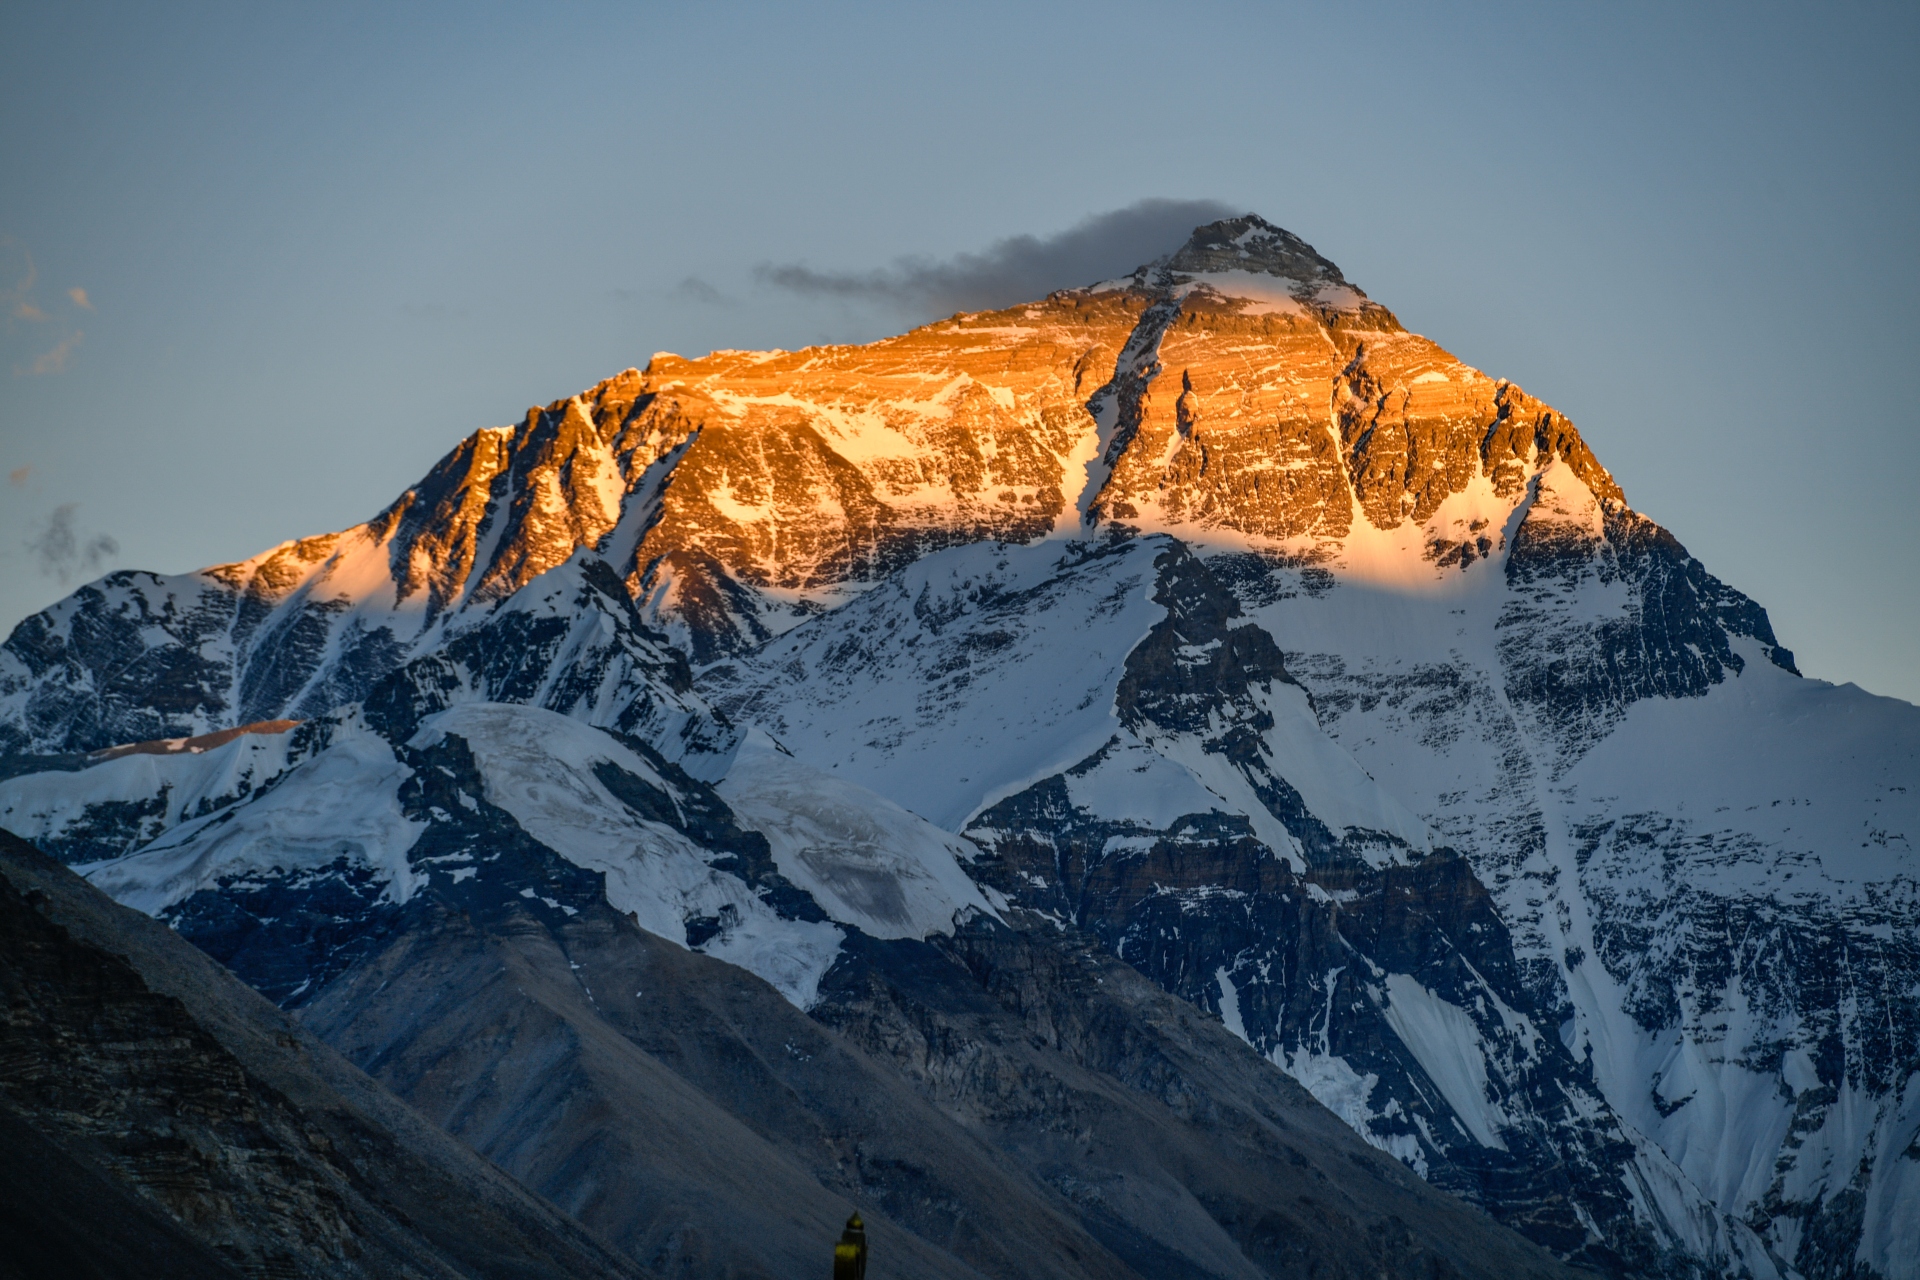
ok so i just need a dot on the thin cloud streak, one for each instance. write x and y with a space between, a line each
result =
17 302
694 289
17 299
1017 269
54 361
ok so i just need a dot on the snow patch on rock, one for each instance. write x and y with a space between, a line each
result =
1447 1044
539 766
865 860
342 803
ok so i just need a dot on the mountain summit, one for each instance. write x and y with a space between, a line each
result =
1175 703
1222 255
1255 402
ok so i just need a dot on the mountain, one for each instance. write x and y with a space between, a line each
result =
1195 644
566 950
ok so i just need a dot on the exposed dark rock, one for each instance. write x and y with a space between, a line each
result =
1575 674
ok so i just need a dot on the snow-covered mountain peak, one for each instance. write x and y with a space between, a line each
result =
1264 269
1247 397
1251 243
1324 678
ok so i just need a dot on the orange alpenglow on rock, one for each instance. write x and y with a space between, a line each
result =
1238 393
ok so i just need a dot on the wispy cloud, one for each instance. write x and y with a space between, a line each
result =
1016 269
18 476
62 552
54 361
694 289
18 303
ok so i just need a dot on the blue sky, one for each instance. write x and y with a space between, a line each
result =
317 245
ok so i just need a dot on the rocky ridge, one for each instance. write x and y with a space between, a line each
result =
740 493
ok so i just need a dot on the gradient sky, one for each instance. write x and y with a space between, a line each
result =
316 245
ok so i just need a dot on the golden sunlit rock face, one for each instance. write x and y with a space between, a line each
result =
1241 392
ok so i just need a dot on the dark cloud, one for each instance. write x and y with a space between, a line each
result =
694 289
61 551
1017 269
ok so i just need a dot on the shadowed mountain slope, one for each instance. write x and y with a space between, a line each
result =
1023 1128
201 1131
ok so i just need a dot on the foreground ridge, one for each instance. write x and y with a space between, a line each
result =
177 1124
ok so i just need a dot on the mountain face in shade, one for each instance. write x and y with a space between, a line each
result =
1201 629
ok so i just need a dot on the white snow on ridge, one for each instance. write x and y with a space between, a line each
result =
342 803
981 670
43 806
1336 1086
1444 1040
1236 794
1828 771
539 767
1134 783
973 674
1264 293
1338 791
1662 1195
1261 294
864 859
1890 1238
1230 1003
